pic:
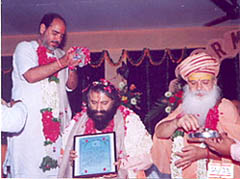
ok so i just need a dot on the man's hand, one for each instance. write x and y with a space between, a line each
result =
221 145
118 163
72 156
188 122
3 102
189 155
68 59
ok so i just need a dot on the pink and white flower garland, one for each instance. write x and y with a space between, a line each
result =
49 112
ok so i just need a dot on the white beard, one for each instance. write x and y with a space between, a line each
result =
199 106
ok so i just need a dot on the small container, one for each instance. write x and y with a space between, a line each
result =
82 54
206 133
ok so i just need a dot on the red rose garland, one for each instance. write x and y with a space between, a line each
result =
51 125
43 59
90 128
212 118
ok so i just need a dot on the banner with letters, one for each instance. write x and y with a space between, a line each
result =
227 47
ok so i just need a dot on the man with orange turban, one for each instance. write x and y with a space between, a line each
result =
202 107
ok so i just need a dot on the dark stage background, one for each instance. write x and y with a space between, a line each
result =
150 73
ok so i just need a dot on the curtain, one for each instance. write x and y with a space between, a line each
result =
150 70
6 79
229 78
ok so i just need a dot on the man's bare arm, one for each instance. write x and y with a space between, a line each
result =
72 81
166 129
187 122
41 72
191 153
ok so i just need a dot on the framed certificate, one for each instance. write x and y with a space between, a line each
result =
96 155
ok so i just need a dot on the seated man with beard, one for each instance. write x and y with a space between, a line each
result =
202 107
103 113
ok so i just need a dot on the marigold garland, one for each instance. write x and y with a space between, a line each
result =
146 53
176 60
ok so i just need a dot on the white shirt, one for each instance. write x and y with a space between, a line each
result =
13 118
26 149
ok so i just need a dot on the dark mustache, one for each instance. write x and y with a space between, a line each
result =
102 111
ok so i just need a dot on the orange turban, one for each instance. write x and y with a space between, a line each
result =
196 63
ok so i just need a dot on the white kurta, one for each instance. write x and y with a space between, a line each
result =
26 148
13 118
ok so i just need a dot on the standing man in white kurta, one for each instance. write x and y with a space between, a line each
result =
41 75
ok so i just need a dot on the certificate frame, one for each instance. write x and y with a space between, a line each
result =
96 155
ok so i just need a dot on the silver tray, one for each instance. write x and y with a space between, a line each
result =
206 133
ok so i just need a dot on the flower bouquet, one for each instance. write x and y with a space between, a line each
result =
162 107
130 97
